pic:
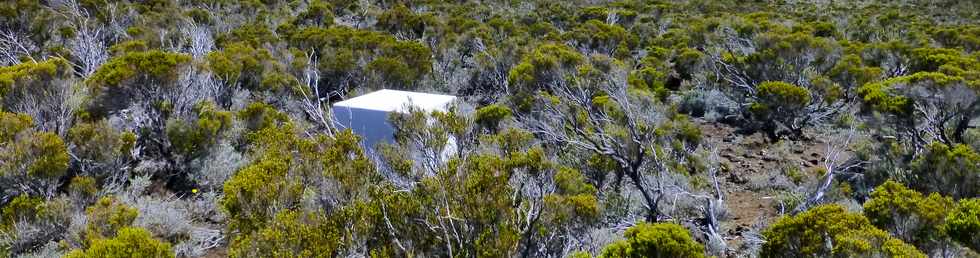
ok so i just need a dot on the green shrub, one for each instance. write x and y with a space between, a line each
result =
129 242
193 138
31 75
258 116
489 117
20 208
951 170
254 193
655 240
831 231
106 217
239 62
909 215
154 65
34 160
97 143
83 187
12 124
963 223
292 234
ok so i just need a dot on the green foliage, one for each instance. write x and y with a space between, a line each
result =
128 46
780 104
285 167
574 203
951 170
32 161
604 38
654 240
908 215
402 63
401 20
853 72
149 67
97 143
50 156
83 187
487 208
963 223
107 217
782 95
490 116
254 34
340 49
26 215
130 242
31 75
193 138
318 13
831 231
36 160
885 95
547 63
649 79
254 192
20 208
292 234
946 98
781 66
593 13
258 116
239 62
12 124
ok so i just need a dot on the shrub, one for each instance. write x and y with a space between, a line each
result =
83 188
106 217
909 215
655 240
779 106
963 223
951 170
194 138
258 116
489 117
33 160
97 146
164 218
154 65
292 234
318 13
574 202
831 231
539 68
130 242
253 194
239 62
605 38
927 106
27 223
649 79
20 208
30 75
401 20
12 124
148 78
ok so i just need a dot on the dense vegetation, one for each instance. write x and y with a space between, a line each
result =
627 128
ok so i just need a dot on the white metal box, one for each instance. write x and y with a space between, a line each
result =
367 115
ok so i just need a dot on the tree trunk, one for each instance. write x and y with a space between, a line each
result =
652 202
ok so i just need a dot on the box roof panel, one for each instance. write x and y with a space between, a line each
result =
396 100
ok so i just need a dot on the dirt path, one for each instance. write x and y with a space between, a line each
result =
750 165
